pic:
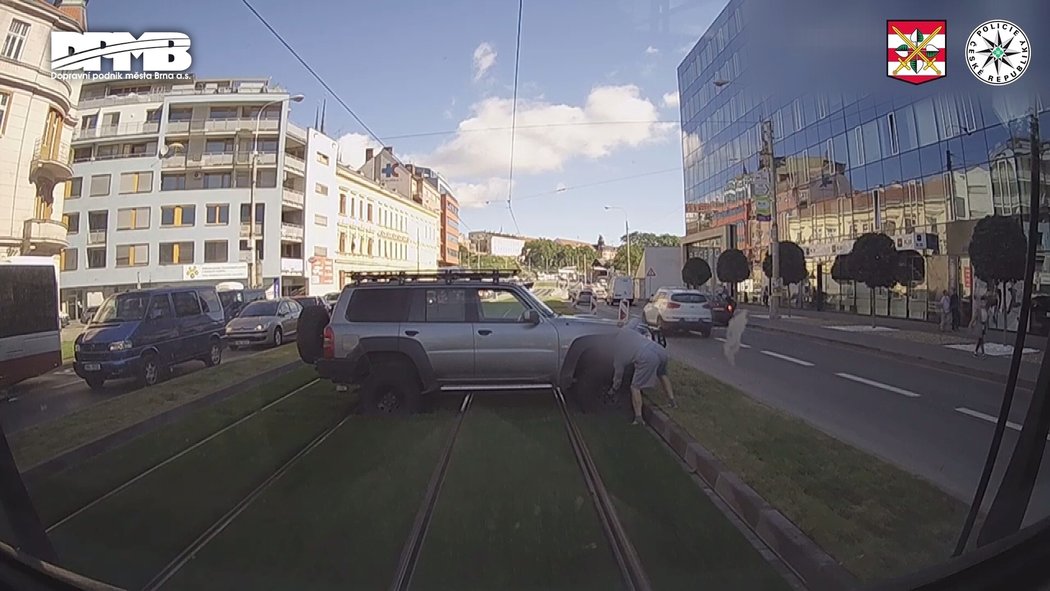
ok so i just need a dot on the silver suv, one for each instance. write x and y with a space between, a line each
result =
402 336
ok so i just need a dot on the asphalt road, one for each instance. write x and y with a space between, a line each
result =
61 392
932 422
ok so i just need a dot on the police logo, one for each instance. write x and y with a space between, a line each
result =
997 52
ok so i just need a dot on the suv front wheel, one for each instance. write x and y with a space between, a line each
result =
390 389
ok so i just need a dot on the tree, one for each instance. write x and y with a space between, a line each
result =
998 249
695 272
792 263
732 266
639 241
873 262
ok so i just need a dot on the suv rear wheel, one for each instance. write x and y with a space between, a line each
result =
391 389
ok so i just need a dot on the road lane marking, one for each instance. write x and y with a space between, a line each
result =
742 345
786 358
875 384
984 417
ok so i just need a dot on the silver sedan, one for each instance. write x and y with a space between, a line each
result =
264 322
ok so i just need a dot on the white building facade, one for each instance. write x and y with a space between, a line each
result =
37 118
162 193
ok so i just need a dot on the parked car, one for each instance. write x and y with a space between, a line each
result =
63 318
143 333
305 301
264 322
233 300
585 299
722 309
88 314
674 309
622 288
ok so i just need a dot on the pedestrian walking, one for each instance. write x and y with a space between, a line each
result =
650 365
983 311
946 310
765 296
956 306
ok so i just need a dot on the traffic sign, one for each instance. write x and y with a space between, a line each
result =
650 273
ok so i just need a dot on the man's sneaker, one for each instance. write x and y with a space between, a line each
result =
674 404
637 421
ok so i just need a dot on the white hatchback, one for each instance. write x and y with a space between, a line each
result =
679 309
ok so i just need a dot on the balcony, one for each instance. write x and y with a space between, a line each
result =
43 237
246 229
96 237
174 161
124 129
291 232
292 197
290 266
251 88
238 123
296 132
294 164
50 163
217 159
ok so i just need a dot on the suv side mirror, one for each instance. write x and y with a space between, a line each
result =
531 317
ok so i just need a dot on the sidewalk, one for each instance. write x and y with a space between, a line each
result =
908 338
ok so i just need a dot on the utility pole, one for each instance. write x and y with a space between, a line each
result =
774 233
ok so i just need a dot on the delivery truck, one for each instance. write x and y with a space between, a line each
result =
661 266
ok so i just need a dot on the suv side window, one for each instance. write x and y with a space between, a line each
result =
211 304
499 305
186 303
159 308
446 305
378 305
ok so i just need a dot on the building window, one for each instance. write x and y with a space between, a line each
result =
891 125
177 215
176 253
342 242
322 159
72 222
132 255
342 204
217 214
369 214
216 251
153 116
98 221
172 182
99 185
107 152
96 258
320 189
259 212
16 39
219 146
136 182
135 218
224 113
266 179
320 251
218 180
5 104
320 220
111 120
74 187
181 114
67 259
81 154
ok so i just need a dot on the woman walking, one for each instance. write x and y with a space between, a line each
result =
981 317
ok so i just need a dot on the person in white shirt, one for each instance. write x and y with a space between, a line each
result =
946 310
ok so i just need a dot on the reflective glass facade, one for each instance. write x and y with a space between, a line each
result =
922 170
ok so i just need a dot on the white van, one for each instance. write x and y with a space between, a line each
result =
621 288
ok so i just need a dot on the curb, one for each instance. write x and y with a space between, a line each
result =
963 369
113 440
818 570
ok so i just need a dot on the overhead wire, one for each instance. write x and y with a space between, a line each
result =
514 119
595 184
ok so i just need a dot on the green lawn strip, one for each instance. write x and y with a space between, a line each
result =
684 541
561 306
58 495
67 351
44 441
128 538
514 512
874 518
338 520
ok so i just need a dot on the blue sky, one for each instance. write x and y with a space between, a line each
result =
412 68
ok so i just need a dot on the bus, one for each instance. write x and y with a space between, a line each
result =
30 334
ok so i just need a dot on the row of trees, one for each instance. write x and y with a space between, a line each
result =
639 241
548 255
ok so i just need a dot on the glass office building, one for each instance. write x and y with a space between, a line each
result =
922 171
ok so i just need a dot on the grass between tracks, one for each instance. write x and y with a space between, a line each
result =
58 495
874 518
128 538
44 441
683 540
514 512
337 520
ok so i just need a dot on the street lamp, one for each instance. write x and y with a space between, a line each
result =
254 279
627 232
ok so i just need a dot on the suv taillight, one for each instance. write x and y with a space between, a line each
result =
328 343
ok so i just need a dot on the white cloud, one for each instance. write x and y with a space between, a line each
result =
484 59
651 50
352 149
479 194
671 99
548 134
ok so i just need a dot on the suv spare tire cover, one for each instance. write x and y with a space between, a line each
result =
309 333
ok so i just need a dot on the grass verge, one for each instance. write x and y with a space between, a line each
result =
47 440
67 351
128 538
682 538
514 512
337 520
876 519
60 494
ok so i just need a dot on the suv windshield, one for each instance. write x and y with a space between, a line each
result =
259 309
122 308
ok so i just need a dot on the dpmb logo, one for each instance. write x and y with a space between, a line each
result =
80 55
916 50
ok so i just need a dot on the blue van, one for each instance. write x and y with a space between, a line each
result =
143 333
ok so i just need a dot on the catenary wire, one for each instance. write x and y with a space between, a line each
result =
514 119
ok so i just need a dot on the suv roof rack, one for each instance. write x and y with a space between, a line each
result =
446 276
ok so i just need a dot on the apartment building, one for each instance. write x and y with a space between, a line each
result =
162 188
37 117
387 170
449 253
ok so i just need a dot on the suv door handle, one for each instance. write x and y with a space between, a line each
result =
484 332
411 333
